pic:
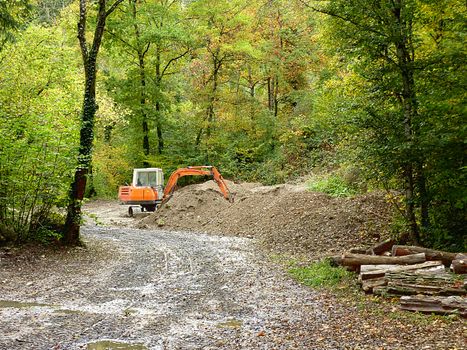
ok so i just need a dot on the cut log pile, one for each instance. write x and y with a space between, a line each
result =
419 276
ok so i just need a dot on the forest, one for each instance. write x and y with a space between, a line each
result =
355 95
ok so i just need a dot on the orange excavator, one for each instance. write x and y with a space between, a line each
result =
147 191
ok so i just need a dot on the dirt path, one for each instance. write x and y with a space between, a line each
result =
154 289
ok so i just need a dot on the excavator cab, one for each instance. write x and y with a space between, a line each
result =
146 190
148 177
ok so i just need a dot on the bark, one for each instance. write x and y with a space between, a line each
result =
381 247
424 200
141 52
270 94
89 54
409 103
459 264
431 254
210 114
361 259
377 271
436 305
276 93
160 139
369 285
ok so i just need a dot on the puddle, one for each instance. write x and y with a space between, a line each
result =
68 312
23 305
20 304
230 324
113 345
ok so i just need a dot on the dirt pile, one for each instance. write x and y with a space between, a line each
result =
284 218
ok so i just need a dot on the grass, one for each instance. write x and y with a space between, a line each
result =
320 274
333 185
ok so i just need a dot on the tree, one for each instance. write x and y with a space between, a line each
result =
89 54
389 52
48 10
152 36
13 14
220 29
39 126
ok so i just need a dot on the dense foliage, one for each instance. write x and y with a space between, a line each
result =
370 92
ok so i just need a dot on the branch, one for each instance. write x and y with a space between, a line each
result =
101 17
173 59
341 17
122 40
147 49
113 7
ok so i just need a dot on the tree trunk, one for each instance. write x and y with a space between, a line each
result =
424 200
276 93
76 194
210 110
409 104
270 94
142 78
431 254
78 187
362 259
160 139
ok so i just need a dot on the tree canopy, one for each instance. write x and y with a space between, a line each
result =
369 93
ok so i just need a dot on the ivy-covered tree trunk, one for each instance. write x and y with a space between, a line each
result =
89 54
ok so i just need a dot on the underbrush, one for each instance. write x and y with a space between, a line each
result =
321 274
44 229
333 185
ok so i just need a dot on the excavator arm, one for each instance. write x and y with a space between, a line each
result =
196 171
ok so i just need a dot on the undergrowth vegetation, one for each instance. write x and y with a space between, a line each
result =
321 274
333 185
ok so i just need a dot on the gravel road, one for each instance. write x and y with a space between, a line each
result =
154 288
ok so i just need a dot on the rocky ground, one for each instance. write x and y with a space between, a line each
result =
285 219
152 288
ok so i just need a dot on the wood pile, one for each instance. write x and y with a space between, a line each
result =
426 280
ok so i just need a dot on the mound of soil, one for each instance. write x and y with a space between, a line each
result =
284 218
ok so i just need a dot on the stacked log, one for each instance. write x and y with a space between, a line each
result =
376 277
349 259
416 274
431 254
382 248
419 282
437 305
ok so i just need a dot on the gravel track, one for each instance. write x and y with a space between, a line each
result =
164 290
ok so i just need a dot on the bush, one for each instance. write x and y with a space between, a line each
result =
319 274
333 185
